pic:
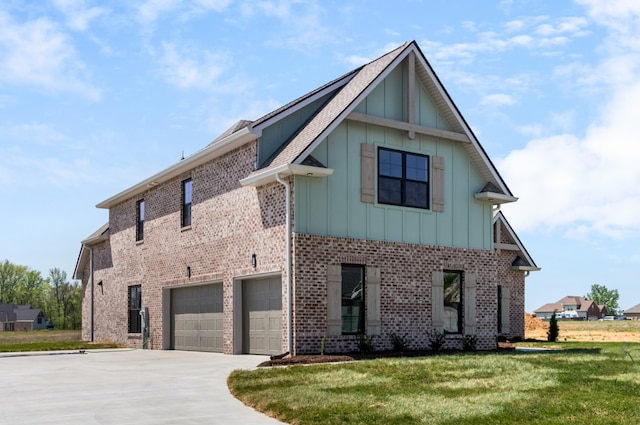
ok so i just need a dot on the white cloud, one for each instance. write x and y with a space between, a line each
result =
588 184
35 132
78 14
192 70
148 12
301 24
585 185
498 99
37 53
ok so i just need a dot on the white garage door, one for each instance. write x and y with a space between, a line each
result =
262 316
196 318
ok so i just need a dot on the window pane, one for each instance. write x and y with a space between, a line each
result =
352 299
389 191
390 163
417 167
186 215
135 304
416 194
452 302
187 191
140 210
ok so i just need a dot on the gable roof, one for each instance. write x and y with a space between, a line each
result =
362 82
27 314
347 91
633 310
100 235
524 261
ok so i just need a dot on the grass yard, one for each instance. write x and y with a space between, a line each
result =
586 382
45 340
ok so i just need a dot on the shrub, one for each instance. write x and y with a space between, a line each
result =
365 343
436 340
469 342
554 330
400 342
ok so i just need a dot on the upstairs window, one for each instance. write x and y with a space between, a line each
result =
186 203
403 178
140 220
135 304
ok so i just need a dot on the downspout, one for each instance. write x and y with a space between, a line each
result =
287 187
92 288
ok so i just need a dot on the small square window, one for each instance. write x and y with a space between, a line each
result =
403 179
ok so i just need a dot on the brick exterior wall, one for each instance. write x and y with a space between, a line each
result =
230 223
406 271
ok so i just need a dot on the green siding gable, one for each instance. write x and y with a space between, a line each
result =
389 100
331 205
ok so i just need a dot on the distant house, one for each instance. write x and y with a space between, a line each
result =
632 313
572 307
15 317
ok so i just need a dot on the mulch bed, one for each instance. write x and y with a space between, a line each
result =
304 359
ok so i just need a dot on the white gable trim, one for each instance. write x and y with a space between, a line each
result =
499 217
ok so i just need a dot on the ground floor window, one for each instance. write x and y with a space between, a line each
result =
453 281
352 299
135 304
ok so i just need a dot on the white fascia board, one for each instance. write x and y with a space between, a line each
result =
295 108
458 115
494 198
352 106
285 170
210 152
526 268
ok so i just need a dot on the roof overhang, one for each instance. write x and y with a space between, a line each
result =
269 175
526 268
229 143
495 198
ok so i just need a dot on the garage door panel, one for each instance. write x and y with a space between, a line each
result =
197 318
262 316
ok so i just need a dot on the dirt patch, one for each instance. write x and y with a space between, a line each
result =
580 330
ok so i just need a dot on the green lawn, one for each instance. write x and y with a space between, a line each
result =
595 383
46 340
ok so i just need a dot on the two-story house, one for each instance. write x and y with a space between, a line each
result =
365 207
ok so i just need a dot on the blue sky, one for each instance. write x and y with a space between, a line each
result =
98 95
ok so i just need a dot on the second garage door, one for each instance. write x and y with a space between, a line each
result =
262 316
196 318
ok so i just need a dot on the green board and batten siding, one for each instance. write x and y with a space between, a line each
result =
331 206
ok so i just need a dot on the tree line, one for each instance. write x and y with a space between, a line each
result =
59 299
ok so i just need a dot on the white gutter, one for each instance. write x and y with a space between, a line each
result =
270 175
210 152
287 188
92 290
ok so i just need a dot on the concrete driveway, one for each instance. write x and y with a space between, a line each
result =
141 387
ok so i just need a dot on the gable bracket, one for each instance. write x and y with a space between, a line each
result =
404 126
411 93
